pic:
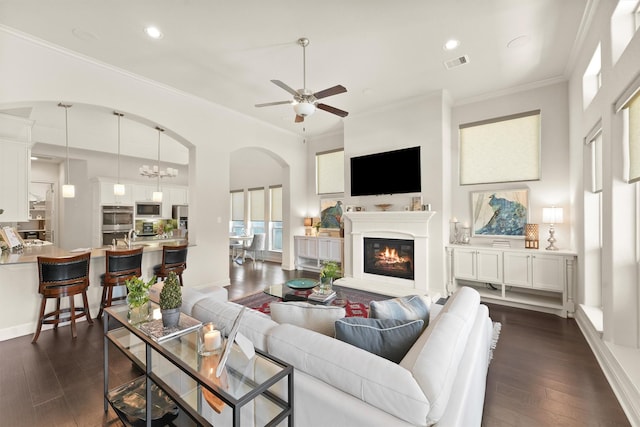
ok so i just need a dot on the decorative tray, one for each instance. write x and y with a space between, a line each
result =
301 283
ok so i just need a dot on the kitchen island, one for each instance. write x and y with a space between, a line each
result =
20 300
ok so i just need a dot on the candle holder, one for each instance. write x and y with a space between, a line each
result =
531 236
209 340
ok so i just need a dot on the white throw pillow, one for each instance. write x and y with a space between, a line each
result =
315 317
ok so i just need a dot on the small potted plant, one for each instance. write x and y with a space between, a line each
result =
330 271
138 299
170 301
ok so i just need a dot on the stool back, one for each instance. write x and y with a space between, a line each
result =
121 265
59 277
174 258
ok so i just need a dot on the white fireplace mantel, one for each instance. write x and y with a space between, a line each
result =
412 225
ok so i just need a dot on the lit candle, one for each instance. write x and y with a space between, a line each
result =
212 340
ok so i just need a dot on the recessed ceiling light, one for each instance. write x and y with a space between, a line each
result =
451 44
153 32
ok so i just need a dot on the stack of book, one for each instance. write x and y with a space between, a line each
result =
321 297
501 243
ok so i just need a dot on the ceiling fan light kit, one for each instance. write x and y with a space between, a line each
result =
304 100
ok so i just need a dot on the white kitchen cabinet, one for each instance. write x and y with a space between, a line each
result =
143 192
527 278
15 166
311 252
108 198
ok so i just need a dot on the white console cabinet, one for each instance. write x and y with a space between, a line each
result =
528 278
311 252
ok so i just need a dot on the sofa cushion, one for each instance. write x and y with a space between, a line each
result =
410 307
388 338
373 379
253 325
434 358
315 317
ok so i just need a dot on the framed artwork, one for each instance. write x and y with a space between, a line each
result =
330 213
501 213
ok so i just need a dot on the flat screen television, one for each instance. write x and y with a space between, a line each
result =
391 172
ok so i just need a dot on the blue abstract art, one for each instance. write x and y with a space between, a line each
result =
499 213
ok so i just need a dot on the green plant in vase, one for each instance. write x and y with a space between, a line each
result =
329 272
170 301
138 299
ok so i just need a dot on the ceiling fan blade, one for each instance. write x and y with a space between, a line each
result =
330 92
333 110
285 87
299 119
268 104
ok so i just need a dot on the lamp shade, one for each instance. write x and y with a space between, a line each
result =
118 189
157 196
68 191
552 215
307 222
304 109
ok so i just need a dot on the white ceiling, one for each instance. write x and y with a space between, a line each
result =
382 51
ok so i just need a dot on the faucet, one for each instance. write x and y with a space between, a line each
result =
131 236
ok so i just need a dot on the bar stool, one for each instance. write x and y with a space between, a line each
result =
121 265
174 258
63 277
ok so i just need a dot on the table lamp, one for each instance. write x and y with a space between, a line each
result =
551 216
307 226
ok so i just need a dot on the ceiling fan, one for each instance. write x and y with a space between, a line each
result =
304 101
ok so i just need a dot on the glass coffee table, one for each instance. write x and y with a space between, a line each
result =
176 381
299 290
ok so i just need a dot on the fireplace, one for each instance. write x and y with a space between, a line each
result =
388 257
406 232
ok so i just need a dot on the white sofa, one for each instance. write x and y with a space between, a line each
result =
440 381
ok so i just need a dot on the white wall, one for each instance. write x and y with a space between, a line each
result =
41 73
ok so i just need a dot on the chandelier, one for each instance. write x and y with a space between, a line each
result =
155 172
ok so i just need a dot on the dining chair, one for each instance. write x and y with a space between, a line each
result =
174 258
121 265
254 250
59 278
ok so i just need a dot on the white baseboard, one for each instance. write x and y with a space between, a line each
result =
622 385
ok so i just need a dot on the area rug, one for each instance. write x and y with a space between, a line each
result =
355 302
497 327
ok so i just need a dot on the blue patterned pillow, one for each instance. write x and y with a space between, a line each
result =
386 338
410 307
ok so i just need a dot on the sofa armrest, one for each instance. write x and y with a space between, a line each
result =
373 379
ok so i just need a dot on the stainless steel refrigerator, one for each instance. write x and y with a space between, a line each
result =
181 214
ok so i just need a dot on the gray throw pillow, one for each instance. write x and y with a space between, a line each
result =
410 307
388 338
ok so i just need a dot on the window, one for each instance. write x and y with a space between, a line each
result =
629 105
256 210
594 143
275 223
625 21
503 149
592 78
330 172
237 213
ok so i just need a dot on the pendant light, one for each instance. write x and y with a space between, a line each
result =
68 190
157 195
118 189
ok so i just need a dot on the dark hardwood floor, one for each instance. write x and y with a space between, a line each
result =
543 372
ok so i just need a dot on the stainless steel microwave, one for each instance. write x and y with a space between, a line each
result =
148 209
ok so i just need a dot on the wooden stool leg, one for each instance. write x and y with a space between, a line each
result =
55 325
102 301
72 310
43 305
85 301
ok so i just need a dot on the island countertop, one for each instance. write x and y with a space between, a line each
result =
30 254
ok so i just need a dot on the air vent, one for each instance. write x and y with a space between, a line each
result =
456 62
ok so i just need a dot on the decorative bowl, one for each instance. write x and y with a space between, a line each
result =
384 206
